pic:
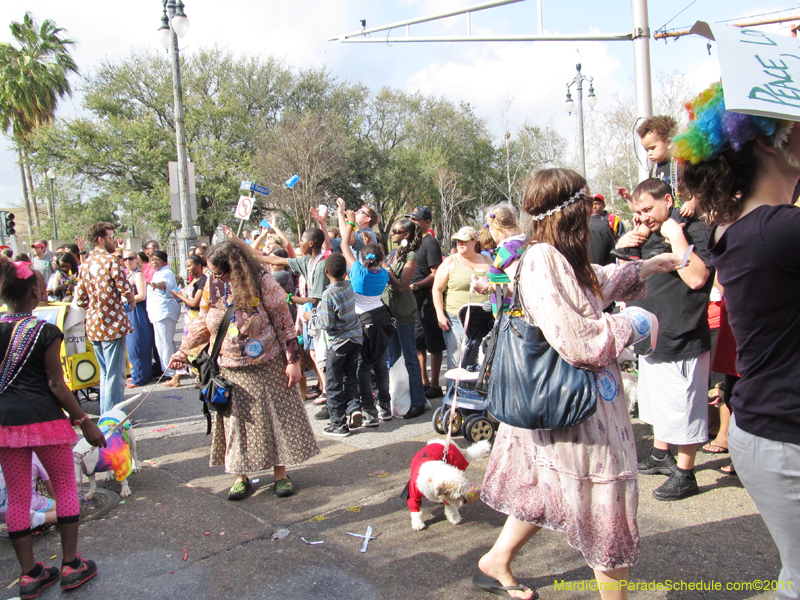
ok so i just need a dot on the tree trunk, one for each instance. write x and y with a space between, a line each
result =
24 189
31 189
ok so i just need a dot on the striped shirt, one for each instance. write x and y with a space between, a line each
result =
337 315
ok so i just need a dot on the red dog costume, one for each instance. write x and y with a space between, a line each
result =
429 453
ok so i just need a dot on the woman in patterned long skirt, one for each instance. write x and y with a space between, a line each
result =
267 425
581 479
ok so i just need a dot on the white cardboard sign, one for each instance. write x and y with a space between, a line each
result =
760 70
244 208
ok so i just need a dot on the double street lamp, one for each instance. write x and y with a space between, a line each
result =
174 24
591 100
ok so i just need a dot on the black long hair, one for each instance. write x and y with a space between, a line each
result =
414 239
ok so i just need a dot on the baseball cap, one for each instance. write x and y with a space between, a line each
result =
38 245
465 234
421 213
599 197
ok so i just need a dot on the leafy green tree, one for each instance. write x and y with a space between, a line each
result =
230 103
33 78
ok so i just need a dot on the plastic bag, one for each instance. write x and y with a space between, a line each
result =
399 388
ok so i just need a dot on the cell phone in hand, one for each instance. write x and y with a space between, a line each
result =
686 255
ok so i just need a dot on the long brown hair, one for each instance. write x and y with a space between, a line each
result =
230 257
567 229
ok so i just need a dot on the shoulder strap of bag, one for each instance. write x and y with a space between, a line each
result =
218 341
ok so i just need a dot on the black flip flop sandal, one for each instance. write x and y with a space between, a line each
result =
491 585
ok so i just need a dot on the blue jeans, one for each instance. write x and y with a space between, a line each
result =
404 341
111 358
365 383
453 338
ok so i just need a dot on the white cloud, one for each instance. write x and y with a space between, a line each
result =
534 75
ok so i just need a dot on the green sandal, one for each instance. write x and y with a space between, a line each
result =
284 488
239 490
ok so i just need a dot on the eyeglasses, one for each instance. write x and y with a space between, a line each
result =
130 258
361 211
397 231
218 275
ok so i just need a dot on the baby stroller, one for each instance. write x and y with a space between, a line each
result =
471 418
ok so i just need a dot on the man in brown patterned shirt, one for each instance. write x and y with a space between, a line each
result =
103 290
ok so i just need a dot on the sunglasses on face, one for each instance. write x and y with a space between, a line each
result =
129 258
397 231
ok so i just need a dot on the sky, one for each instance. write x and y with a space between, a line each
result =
532 75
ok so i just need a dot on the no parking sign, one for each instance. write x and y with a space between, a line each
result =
244 208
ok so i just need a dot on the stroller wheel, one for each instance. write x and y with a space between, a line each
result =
478 429
438 425
458 421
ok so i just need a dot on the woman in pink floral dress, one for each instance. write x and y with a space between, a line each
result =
581 480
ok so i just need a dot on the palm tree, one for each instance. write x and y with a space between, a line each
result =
33 78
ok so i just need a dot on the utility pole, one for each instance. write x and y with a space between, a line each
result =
175 22
641 70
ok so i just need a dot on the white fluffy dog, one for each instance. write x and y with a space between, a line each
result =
117 460
439 481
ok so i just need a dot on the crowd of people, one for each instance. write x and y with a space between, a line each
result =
712 224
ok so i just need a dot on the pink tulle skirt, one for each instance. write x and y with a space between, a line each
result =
48 433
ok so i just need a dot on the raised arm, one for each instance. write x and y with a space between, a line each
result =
321 221
273 222
346 220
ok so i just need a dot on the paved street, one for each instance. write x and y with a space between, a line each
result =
178 537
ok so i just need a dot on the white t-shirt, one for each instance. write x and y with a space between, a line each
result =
160 303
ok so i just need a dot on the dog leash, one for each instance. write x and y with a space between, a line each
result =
458 377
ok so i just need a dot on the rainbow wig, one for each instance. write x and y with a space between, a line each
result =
712 129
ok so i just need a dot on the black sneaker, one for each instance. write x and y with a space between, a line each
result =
322 415
72 578
384 412
354 419
652 465
433 392
30 587
677 487
370 420
337 430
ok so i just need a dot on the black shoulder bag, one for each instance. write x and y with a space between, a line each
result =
215 392
530 385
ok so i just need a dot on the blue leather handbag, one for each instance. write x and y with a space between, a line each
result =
530 385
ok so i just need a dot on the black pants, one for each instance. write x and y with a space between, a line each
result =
341 376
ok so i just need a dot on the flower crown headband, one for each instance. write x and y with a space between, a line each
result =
572 199
712 128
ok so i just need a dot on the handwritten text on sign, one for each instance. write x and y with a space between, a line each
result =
760 70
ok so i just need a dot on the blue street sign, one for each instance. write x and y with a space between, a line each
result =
259 189
245 185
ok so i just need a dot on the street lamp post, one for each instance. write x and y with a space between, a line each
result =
591 99
174 24
51 175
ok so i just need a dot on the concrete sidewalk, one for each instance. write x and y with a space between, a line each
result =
178 537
